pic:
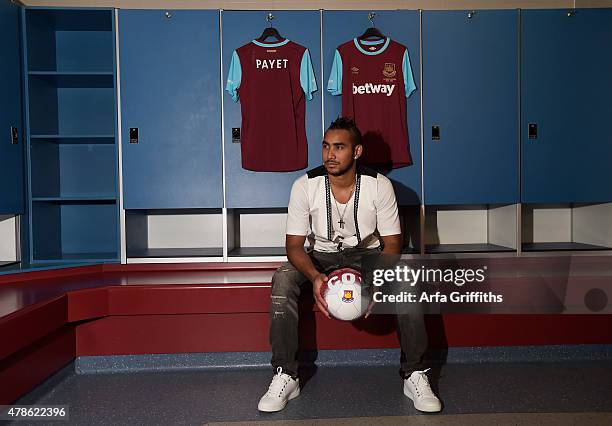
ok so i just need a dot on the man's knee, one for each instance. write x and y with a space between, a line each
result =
285 292
286 282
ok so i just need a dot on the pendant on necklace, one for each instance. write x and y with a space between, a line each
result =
341 223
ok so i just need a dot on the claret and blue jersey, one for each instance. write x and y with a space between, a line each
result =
272 82
374 79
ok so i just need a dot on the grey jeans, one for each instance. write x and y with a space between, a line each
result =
288 284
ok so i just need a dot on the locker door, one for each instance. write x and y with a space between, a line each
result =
11 155
566 91
249 189
402 26
170 92
470 89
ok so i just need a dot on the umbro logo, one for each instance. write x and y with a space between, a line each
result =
355 70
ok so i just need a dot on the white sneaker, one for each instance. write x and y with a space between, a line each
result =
416 387
282 390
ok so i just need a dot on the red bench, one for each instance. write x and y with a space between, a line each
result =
47 318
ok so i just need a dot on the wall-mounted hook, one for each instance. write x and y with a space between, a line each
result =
168 15
371 17
571 12
269 18
471 13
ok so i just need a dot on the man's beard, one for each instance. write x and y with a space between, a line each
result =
342 171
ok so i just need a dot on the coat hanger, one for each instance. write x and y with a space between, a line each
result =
371 32
270 31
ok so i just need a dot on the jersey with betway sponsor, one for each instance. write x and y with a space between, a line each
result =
272 81
374 79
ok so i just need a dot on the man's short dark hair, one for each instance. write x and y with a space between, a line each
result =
346 123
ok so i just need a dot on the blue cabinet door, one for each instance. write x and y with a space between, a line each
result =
170 91
245 188
470 89
11 155
566 90
402 26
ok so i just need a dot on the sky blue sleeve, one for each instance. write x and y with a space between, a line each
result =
334 85
234 77
307 76
408 78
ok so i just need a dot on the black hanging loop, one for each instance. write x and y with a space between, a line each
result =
372 32
270 31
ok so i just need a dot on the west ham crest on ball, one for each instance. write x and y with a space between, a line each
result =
347 297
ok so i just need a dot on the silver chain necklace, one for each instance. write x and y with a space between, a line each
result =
341 222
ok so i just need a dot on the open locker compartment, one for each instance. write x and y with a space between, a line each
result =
181 234
10 252
483 228
256 233
566 227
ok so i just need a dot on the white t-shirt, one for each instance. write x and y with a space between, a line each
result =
371 212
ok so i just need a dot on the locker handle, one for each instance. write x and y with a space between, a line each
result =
435 132
14 135
133 134
532 130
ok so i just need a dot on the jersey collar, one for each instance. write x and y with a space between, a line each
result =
280 43
369 42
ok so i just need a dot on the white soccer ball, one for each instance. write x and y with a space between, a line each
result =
346 296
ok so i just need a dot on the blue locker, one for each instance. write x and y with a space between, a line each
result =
11 155
245 188
566 75
69 56
402 26
470 90
170 91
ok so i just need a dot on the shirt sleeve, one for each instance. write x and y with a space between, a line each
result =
334 85
387 217
307 76
234 77
408 78
298 213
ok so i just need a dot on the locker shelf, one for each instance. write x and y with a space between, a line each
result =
78 258
74 139
561 246
78 198
75 79
43 265
257 251
175 252
466 248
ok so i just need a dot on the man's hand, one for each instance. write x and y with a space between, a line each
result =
317 285
298 258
